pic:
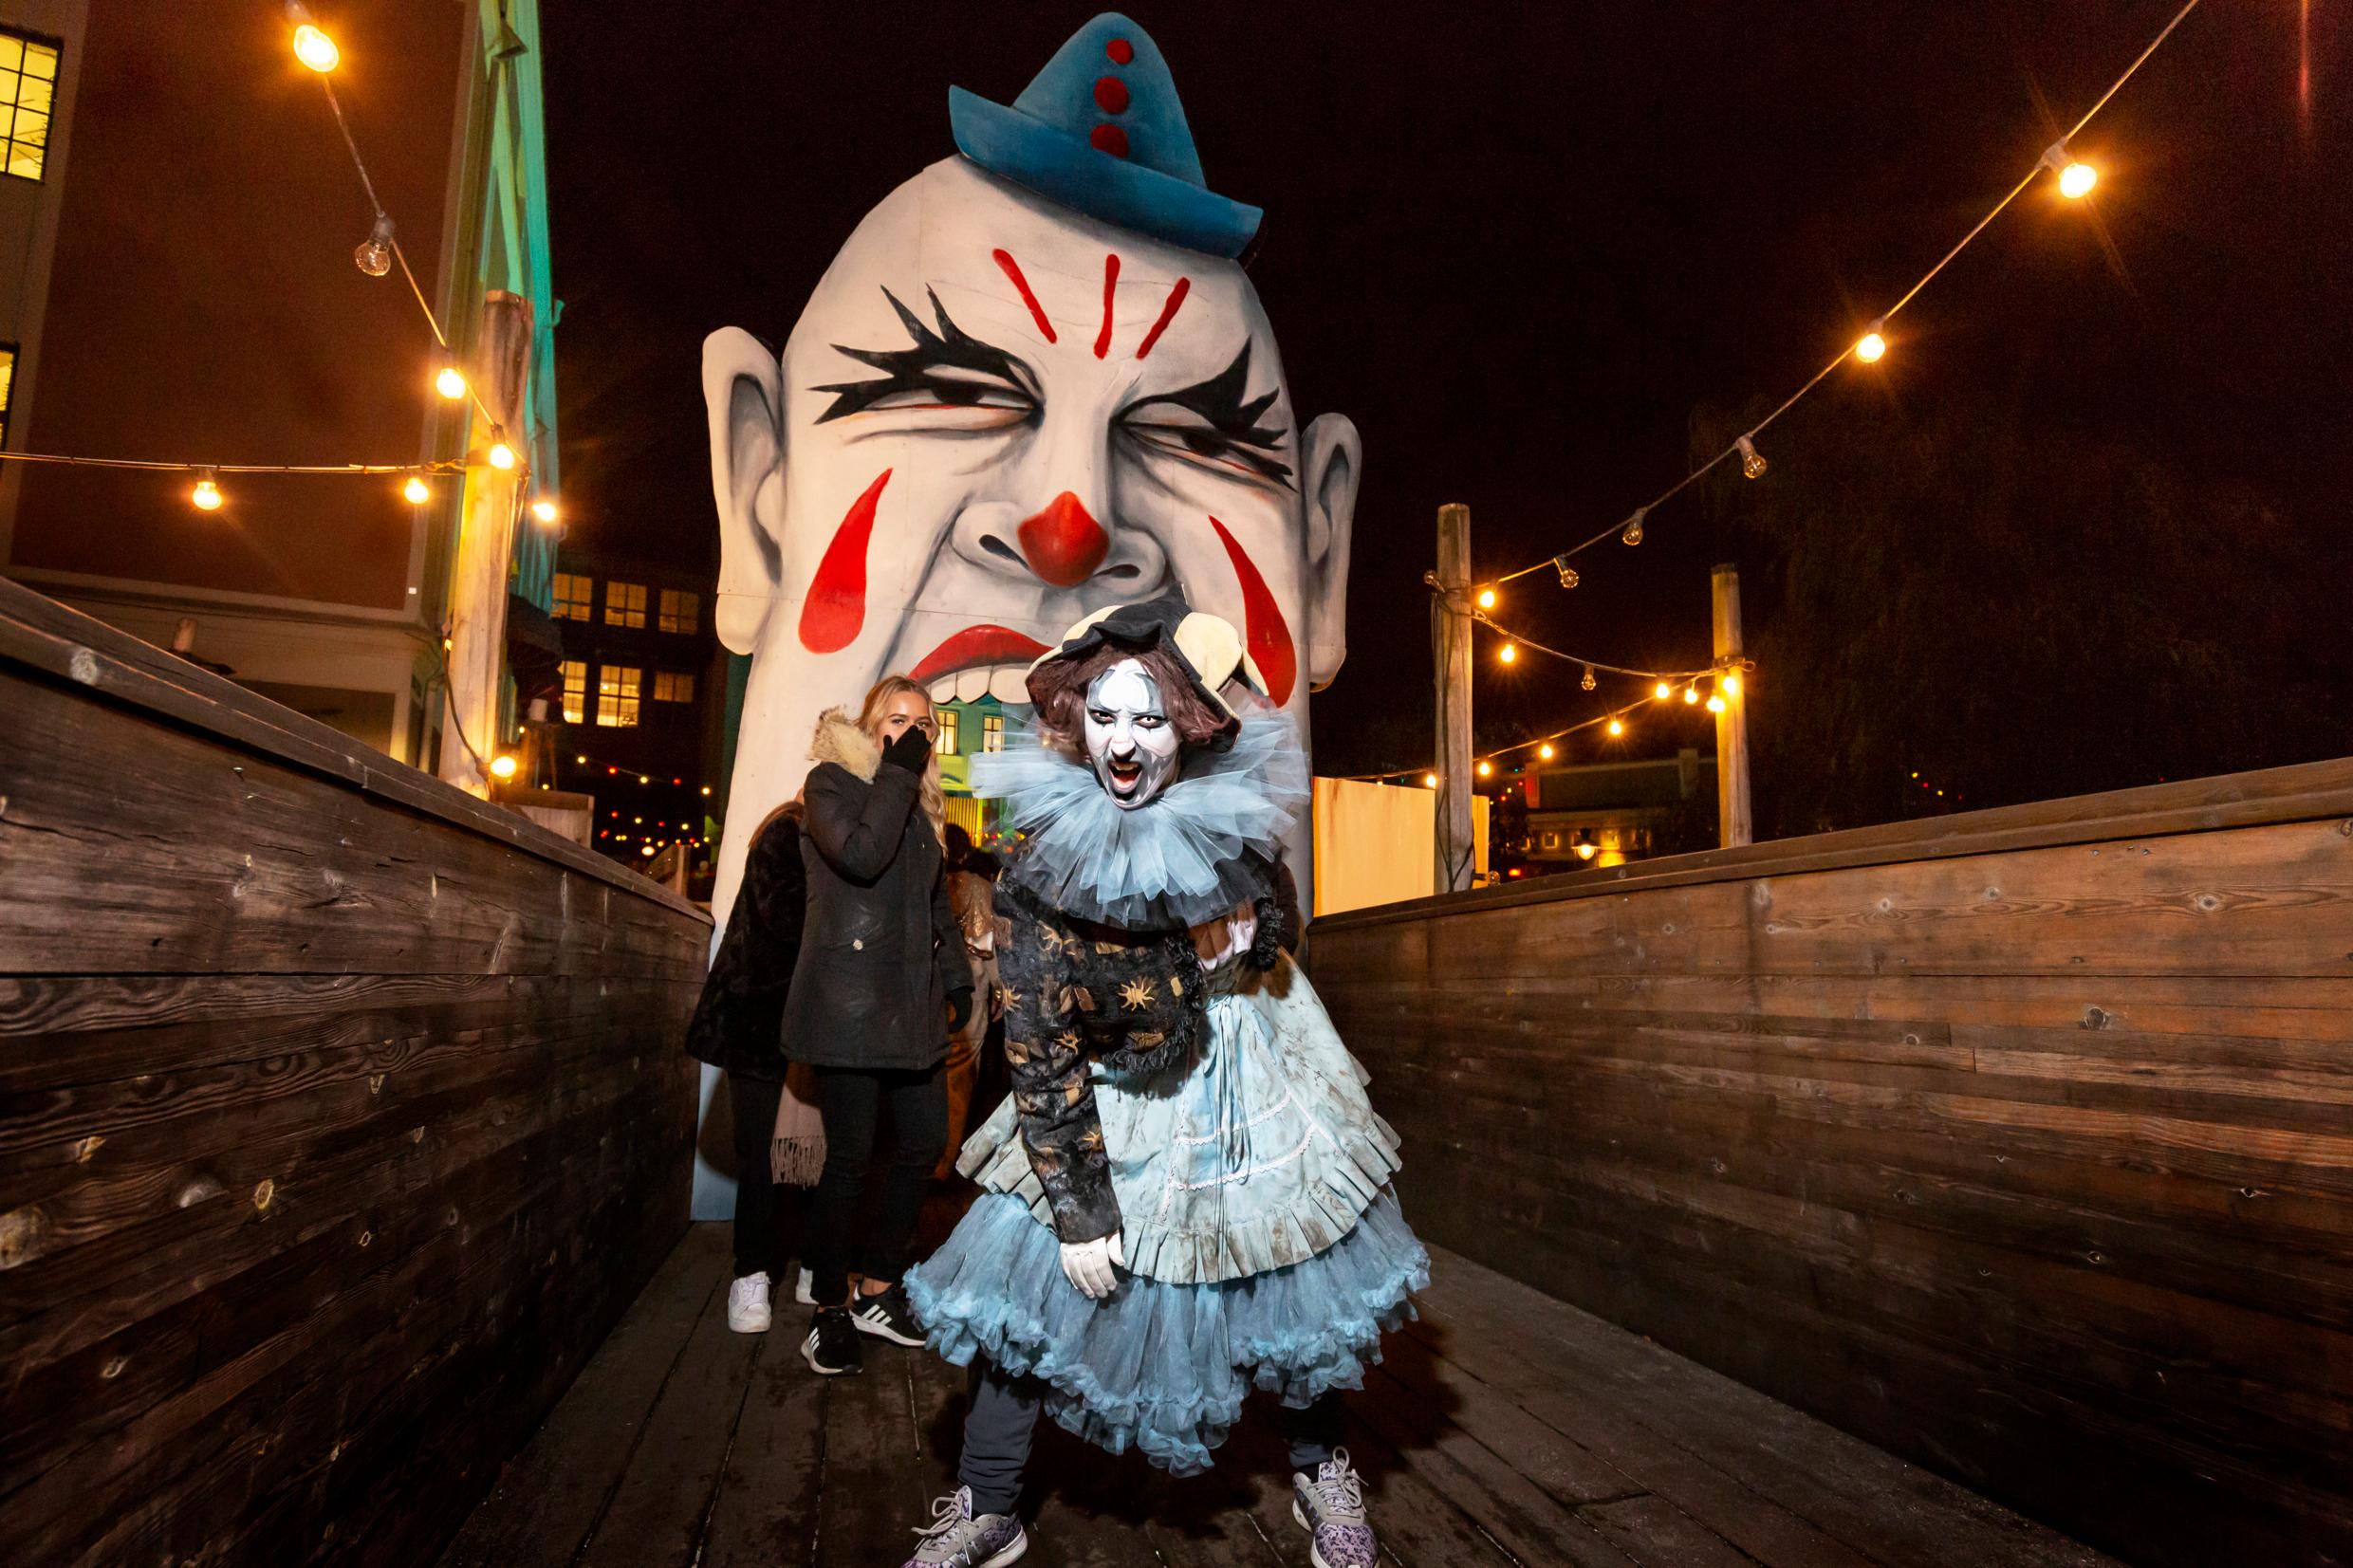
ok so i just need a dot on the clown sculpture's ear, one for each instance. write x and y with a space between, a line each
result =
743 394
1331 461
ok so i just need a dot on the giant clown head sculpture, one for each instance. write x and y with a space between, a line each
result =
1034 382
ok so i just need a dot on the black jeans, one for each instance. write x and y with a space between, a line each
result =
850 1099
759 1209
1004 1416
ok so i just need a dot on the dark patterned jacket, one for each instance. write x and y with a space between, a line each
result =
1076 992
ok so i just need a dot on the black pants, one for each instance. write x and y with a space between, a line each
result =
1004 1416
850 1099
759 1207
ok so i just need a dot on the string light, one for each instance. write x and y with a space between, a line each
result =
416 493
206 495
1568 572
544 509
1544 751
1691 695
1716 703
1631 533
1429 781
501 456
1660 691
374 253
450 382
1587 851
1588 683
1510 654
706 789
1617 725
1872 346
1730 685
1487 599
502 766
1486 769
2076 179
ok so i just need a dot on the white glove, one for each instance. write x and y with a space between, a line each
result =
1088 1264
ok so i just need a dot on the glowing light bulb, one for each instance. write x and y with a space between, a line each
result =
581 760
207 496
645 849
416 492
451 383
1659 690
1632 532
1715 704
1588 683
314 48
1486 769
706 789
1690 695
643 780
1586 852
1617 727
501 456
1751 464
1730 683
544 509
1544 751
1510 654
373 255
1487 599
1871 348
1429 781
1568 572
502 767
2077 179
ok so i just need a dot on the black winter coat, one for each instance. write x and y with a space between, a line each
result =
881 952
738 1021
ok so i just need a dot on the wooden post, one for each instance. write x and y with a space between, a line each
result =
477 651
1450 617
1731 725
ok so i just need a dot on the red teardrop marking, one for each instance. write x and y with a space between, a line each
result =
1011 268
1168 314
1063 542
836 605
1267 636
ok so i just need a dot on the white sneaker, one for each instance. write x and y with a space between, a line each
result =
805 1289
747 1304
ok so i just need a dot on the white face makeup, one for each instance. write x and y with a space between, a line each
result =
994 417
1129 740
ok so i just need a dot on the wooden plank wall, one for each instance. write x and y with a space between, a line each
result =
340 1115
2019 1143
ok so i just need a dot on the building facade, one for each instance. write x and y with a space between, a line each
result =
1606 814
178 213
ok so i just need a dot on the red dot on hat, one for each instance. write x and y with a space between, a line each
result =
1109 139
1110 94
1120 51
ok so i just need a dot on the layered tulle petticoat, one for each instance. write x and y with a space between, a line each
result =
1156 1366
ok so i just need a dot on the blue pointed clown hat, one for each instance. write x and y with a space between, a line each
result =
1101 131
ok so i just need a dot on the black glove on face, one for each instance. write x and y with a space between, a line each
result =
912 752
959 1008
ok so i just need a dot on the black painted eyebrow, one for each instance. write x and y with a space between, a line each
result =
946 348
1220 401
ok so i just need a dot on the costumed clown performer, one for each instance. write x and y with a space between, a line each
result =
1187 1195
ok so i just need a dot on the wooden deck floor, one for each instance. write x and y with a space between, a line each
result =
1504 1428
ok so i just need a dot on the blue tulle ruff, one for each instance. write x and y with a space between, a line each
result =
1164 1367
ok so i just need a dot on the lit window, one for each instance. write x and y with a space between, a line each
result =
28 82
575 691
946 745
575 592
617 689
625 604
8 387
993 731
681 611
672 687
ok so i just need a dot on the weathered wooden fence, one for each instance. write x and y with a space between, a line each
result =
340 1115
2020 1143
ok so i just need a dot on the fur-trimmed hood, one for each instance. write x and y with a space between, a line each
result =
841 742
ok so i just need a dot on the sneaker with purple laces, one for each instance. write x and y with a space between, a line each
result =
1332 1509
957 1539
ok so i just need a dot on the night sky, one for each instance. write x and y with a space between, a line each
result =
1521 246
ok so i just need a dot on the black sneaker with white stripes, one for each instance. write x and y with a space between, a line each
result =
887 1316
831 1348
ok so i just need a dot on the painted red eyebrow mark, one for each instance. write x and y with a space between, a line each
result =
1111 278
1168 314
836 605
1267 634
1011 268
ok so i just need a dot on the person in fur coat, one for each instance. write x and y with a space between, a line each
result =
880 983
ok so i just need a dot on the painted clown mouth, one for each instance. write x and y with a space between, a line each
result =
979 661
1124 775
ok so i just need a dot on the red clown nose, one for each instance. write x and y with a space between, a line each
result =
1063 542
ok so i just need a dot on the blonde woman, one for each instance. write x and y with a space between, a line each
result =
880 983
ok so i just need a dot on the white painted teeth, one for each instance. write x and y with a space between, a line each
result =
1010 684
972 685
944 688
1006 682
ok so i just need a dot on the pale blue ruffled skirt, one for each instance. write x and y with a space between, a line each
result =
1158 1366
